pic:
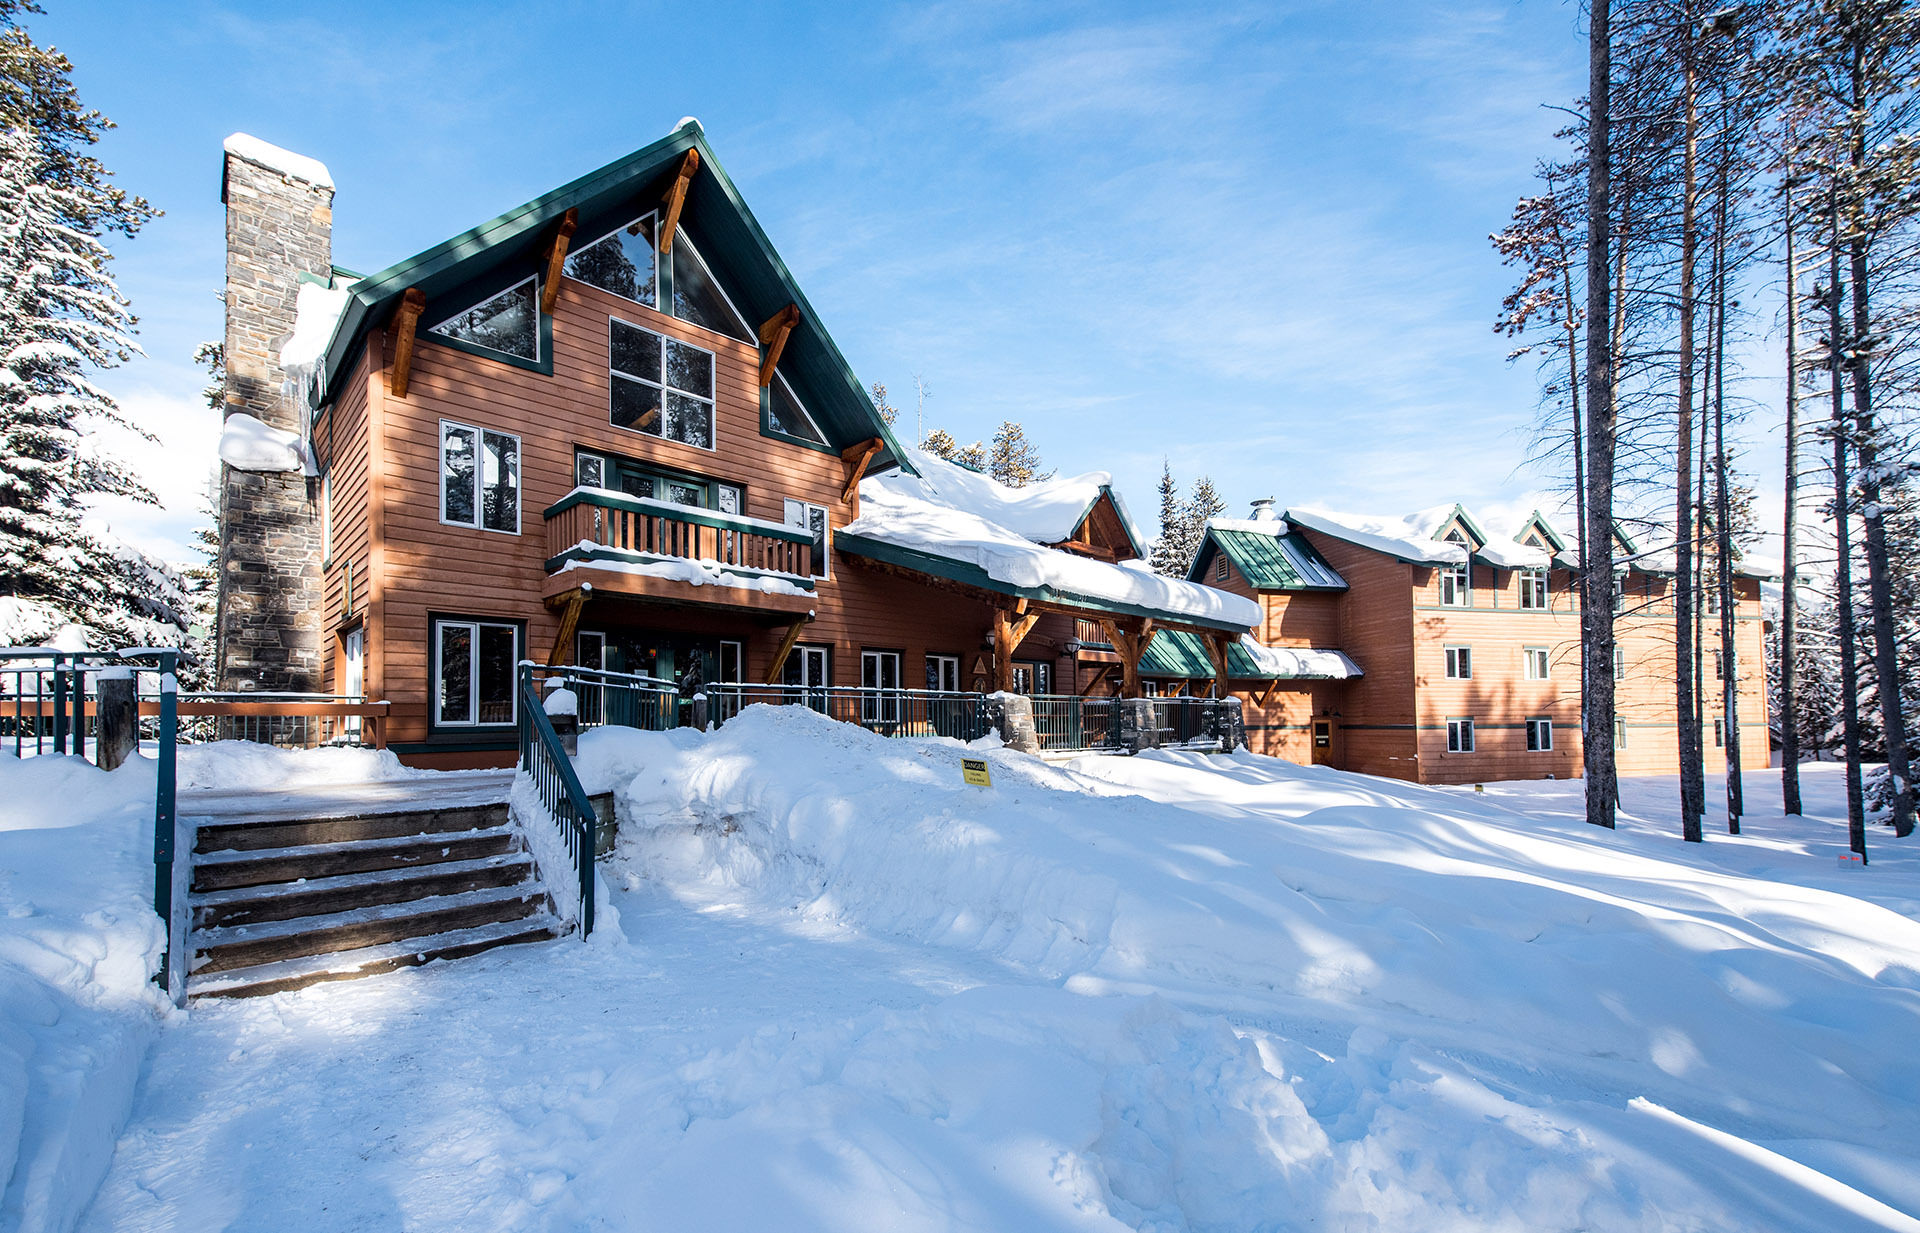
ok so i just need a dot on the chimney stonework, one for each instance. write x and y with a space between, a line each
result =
271 599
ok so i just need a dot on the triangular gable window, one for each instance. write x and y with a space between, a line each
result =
786 416
622 263
1533 540
698 298
508 323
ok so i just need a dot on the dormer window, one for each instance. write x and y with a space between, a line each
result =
622 262
507 323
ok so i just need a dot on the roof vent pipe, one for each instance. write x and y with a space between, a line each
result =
1263 510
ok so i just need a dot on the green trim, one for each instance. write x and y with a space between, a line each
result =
1466 520
604 552
543 366
682 513
1106 490
973 575
482 290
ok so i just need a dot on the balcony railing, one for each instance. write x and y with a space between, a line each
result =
595 525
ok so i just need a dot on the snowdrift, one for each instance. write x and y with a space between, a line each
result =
1443 1013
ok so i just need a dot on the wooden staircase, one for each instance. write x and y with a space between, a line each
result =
279 903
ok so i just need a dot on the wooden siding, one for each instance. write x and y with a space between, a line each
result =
343 428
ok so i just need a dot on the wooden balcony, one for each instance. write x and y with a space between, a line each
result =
651 549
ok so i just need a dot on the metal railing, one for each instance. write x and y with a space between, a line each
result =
1068 721
544 761
1183 720
615 699
285 720
889 712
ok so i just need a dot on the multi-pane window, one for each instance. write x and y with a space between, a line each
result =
1719 732
1619 592
1539 736
661 386
1459 663
622 263
806 666
508 322
473 666
1619 734
1719 665
1460 736
880 671
1619 663
1032 677
1533 588
1535 660
943 674
1456 586
811 518
479 477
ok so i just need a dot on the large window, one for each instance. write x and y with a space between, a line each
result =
622 263
698 298
786 416
1533 588
806 666
1539 736
661 386
812 518
473 667
1536 661
1460 736
1459 663
508 323
943 674
1456 586
479 478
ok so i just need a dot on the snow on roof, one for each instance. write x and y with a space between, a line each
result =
961 515
702 573
1411 537
317 313
249 444
1291 662
273 158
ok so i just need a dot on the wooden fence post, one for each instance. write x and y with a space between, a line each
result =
117 717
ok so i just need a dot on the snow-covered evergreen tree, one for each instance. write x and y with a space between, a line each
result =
1013 460
888 412
1166 546
62 319
1183 524
941 444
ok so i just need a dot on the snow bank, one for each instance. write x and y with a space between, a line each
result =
241 765
78 944
1450 1015
272 157
960 515
248 444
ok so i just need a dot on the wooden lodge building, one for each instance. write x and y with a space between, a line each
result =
606 428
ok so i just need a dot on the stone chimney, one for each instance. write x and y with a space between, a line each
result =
1263 510
279 224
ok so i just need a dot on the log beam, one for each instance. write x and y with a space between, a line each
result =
1266 697
570 605
773 340
676 200
1010 628
856 458
1217 652
406 319
786 646
557 260
1130 644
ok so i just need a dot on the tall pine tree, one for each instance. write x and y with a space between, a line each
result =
1013 460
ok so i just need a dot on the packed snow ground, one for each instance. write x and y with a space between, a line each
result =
844 990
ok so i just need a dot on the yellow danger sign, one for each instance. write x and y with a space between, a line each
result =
974 771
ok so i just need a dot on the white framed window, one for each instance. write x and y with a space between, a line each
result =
660 386
880 671
698 297
1537 663
479 478
1456 586
623 262
1539 736
1719 732
1459 663
473 672
729 499
1619 592
812 518
1619 734
729 665
786 414
1619 662
1533 588
507 322
1713 600
1460 736
943 674
807 666
589 471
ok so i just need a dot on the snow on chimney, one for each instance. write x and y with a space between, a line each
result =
1263 510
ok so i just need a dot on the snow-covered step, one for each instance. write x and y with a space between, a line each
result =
299 972
253 867
255 834
318 896
236 946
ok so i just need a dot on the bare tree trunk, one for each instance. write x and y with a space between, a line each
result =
1789 652
1886 662
1688 734
1723 513
1596 532
1843 581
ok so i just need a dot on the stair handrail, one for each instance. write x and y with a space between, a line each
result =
544 760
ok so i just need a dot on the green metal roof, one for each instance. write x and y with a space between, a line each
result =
723 229
1176 653
1268 562
973 575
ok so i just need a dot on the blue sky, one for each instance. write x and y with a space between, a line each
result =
1251 240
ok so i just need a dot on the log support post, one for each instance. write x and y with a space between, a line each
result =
779 663
1010 629
557 260
570 605
855 458
1130 644
773 340
1217 652
676 200
406 319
